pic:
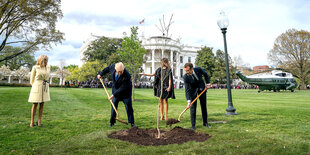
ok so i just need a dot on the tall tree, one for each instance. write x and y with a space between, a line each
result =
75 74
102 48
131 54
89 70
206 60
291 51
219 75
31 23
73 69
23 60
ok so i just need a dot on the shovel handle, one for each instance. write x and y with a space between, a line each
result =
109 97
192 103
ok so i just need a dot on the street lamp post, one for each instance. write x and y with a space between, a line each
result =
223 22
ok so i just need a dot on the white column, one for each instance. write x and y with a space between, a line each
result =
60 81
63 81
143 67
153 61
51 80
19 80
171 60
162 53
9 81
177 70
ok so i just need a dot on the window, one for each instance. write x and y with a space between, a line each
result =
151 70
181 59
181 73
189 59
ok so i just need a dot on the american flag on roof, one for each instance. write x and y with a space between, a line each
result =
142 21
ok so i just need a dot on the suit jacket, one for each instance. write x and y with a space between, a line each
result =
121 88
192 85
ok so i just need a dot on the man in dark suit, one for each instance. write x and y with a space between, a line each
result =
194 85
121 90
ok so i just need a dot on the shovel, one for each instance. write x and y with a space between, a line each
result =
122 121
174 121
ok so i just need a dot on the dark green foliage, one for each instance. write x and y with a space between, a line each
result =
132 52
219 75
30 23
24 60
102 48
206 59
214 64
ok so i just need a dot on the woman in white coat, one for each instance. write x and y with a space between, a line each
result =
40 88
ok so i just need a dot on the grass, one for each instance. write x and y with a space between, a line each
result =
76 121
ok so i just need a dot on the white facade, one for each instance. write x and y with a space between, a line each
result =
158 47
85 46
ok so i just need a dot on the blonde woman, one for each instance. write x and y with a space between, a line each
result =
40 88
165 89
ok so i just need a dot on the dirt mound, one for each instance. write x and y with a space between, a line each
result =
177 135
171 121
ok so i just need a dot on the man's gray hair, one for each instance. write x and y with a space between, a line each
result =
119 66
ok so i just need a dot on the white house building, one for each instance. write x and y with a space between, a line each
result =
158 47
85 46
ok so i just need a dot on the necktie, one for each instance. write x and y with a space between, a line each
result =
116 77
195 76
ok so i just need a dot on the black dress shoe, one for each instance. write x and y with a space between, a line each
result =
133 125
206 125
193 128
111 125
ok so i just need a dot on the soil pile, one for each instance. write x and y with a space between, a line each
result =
177 135
171 121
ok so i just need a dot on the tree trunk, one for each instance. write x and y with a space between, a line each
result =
303 83
133 87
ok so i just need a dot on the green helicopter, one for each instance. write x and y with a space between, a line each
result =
275 80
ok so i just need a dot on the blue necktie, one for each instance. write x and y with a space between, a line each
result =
116 77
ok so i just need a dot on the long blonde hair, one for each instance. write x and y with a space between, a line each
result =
42 60
165 63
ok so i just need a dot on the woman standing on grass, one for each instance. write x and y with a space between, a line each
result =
165 89
40 88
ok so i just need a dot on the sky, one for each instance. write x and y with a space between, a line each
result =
253 25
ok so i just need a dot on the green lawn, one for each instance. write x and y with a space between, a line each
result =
76 121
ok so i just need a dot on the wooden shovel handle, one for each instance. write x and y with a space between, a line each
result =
109 97
192 102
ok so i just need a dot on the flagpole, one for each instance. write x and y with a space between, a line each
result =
142 22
